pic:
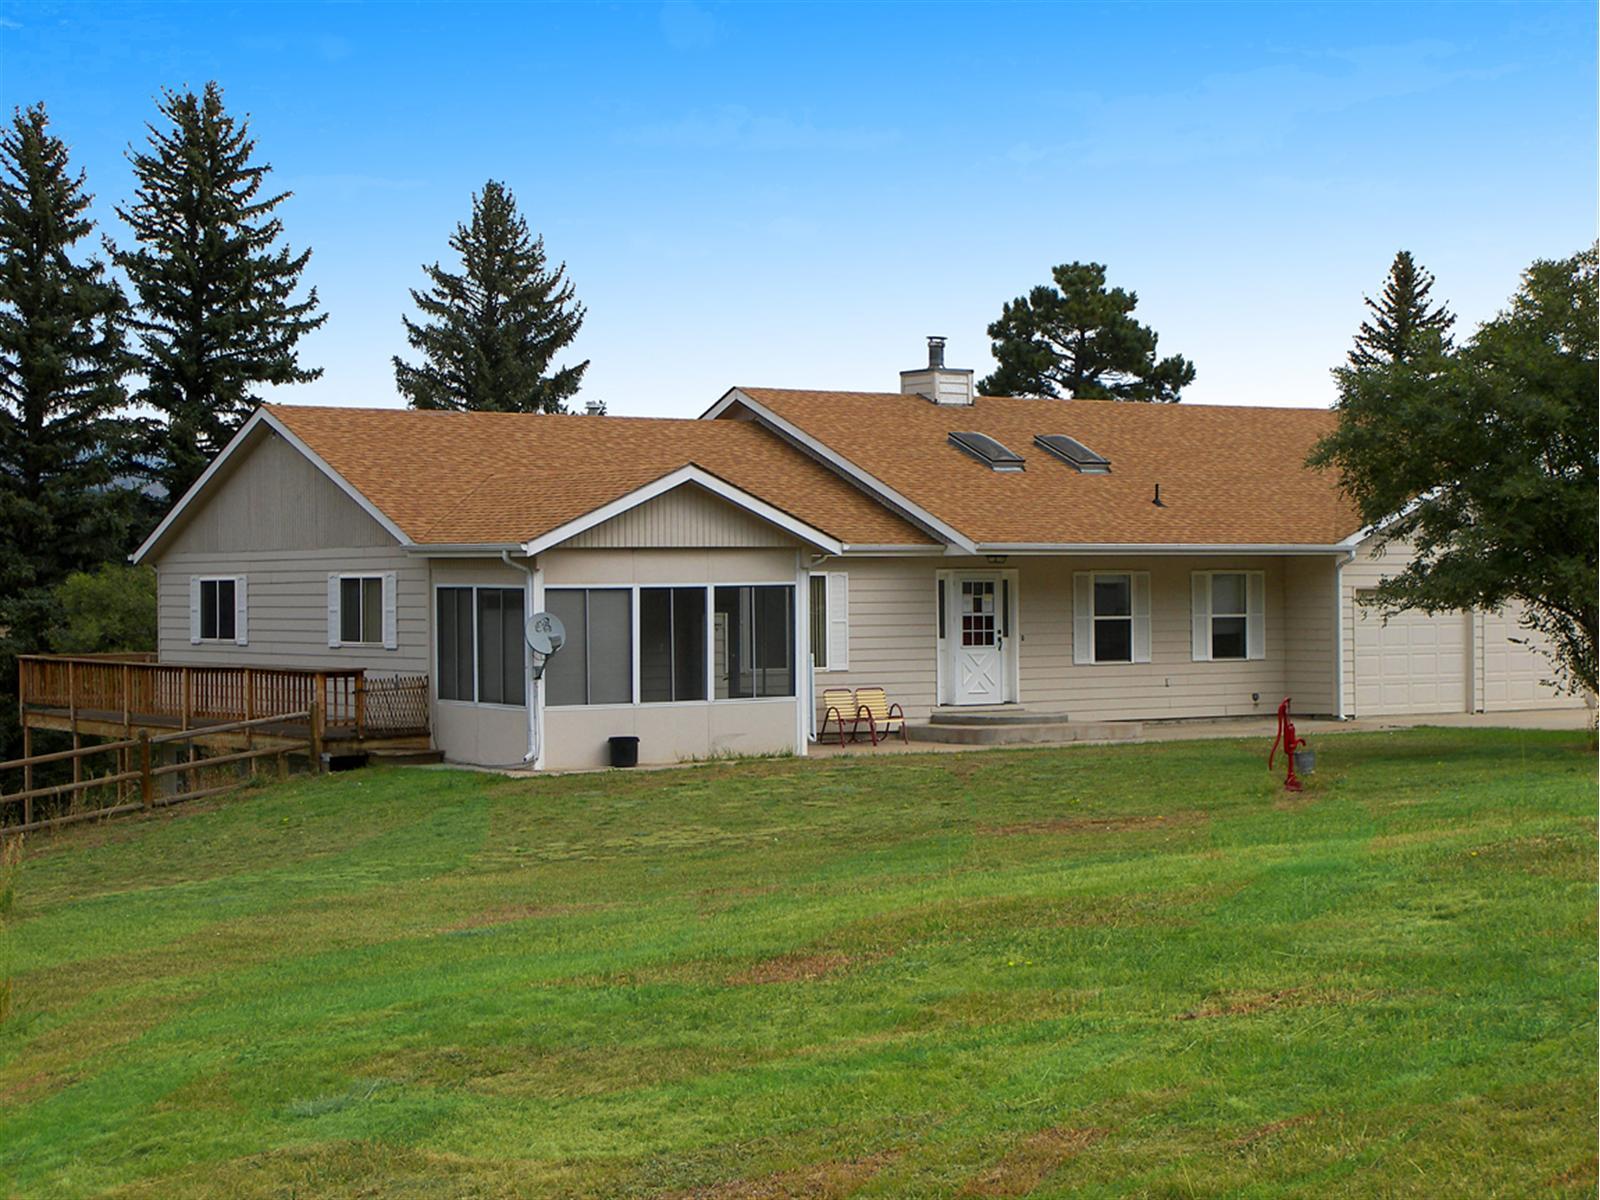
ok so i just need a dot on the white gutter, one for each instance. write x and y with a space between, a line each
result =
1070 548
1339 565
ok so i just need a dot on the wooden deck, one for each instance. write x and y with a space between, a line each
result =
115 696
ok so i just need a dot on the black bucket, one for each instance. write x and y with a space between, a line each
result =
624 752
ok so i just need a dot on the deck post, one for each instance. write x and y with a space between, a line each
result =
146 781
27 774
315 715
361 704
249 715
188 697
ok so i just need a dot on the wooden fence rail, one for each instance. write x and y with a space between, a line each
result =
133 691
147 771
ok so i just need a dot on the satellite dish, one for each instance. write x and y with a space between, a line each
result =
545 633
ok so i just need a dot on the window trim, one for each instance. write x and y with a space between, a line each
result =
364 643
240 634
635 588
1253 578
1095 618
433 620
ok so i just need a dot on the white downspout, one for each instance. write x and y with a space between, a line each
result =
532 598
1339 565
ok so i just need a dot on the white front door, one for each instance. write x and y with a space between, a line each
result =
978 640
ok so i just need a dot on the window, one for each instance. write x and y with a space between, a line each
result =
818 599
987 450
361 610
502 673
1074 453
596 664
218 610
480 645
754 641
672 644
829 621
1113 618
1229 615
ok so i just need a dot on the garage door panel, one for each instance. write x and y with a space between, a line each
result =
1412 663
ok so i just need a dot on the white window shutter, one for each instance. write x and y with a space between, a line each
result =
333 610
1082 617
241 611
838 621
1200 615
194 610
391 624
1141 616
1255 631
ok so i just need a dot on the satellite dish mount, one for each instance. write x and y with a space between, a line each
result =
546 635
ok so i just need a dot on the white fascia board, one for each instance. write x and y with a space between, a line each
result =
258 418
701 478
1158 548
896 548
833 458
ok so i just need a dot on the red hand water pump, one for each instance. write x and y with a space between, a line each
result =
1290 743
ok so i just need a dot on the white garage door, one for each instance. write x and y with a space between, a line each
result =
1411 663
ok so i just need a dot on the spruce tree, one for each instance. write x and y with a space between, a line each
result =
62 364
490 333
1078 339
1402 324
217 317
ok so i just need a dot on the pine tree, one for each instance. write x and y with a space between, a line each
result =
1078 340
1402 324
490 333
217 315
62 364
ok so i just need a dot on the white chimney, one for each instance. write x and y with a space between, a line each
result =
937 382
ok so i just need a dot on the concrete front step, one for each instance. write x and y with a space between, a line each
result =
1022 733
1009 714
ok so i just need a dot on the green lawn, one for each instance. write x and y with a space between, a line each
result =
1119 971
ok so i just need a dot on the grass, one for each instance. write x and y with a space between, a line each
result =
1112 971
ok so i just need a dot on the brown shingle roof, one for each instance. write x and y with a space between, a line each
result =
1228 475
502 478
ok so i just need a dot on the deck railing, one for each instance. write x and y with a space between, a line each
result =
142 692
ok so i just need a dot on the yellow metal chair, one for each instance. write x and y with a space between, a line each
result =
835 703
872 705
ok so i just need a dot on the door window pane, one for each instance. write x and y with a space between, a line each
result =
977 612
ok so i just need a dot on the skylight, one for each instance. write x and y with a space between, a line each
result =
1074 453
987 451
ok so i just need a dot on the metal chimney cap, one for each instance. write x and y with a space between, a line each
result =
936 352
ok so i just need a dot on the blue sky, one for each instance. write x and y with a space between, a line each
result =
795 195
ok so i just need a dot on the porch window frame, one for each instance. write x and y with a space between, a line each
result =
796 694
477 683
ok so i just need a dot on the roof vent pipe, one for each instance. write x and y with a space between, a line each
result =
935 353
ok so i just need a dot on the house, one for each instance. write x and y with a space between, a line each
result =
1081 559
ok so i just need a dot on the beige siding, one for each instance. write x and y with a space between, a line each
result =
893 639
1171 684
288 609
572 568
686 516
893 614
1311 631
273 498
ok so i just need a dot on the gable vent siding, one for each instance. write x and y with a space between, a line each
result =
683 517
